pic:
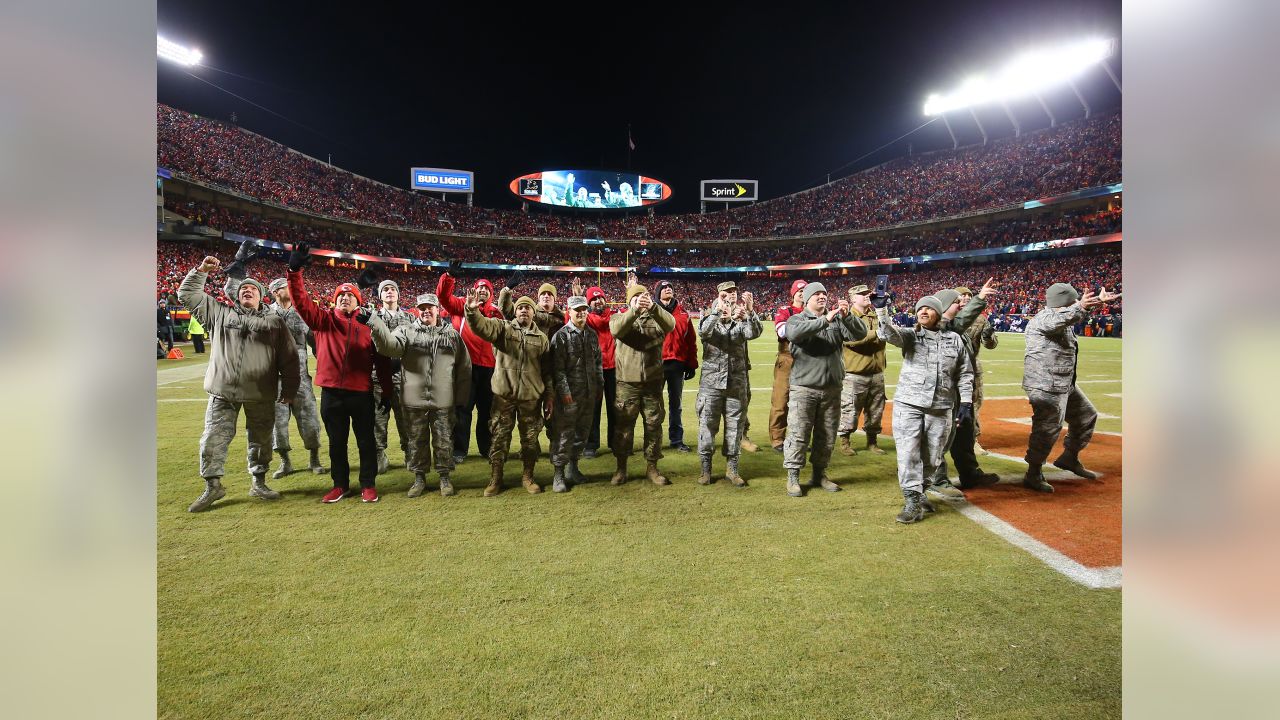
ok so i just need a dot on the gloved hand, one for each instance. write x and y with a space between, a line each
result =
965 414
236 270
879 301
367 279
364 314
516 278
689 373
300 255
249 249
455 266
385 403
988 331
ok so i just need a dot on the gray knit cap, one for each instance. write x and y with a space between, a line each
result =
930 301
385 283
947 297
262 291
277 284
1060 295
810 289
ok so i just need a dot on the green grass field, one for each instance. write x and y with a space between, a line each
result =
617 602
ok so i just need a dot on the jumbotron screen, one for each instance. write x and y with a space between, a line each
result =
590 189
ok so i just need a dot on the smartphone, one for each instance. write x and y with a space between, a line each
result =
882 285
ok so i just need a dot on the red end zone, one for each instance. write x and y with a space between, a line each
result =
1082 518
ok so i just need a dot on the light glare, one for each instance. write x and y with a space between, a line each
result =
173 52
1024 75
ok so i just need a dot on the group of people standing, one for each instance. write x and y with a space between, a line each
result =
531 364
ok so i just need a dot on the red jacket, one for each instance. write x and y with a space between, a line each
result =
681 343
344 346
600 323
481 352
780 320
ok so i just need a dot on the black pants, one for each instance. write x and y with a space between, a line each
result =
607 399
962 455
166 336
342 411
481 402
198 341
673 372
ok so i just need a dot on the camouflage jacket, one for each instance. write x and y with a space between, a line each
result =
725 358
577 364
935 365
1050 364
522 367
639 337
435 363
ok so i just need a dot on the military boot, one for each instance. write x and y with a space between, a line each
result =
316 467
747 445
213 491
1034 480
793 483
383 463
285 468
573 475
419 485
912 511
526 479
1070 462
258 488
820 479
941 486
845 448
705 477
979 479
731 473
495 480
557 480
872 447
651 470
619 475
446 485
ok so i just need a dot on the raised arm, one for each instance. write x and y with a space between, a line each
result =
311 314
505 303
386 342
890 333
193 297
801 327
969 314
444 291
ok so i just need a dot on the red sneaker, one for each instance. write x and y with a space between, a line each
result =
334 495
369 495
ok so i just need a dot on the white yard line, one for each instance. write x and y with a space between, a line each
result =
203 399
1096 578
169 376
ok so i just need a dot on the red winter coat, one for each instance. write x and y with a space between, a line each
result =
481 352
600 323
344 346
681 343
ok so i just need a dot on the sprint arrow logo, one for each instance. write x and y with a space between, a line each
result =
741 190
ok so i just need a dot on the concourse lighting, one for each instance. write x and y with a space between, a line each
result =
1024 75
173 52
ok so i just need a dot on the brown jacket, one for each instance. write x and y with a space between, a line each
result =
865 356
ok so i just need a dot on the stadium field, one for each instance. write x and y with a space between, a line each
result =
644 601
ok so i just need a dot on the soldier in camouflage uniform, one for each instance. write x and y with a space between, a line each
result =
936 374
393 316
252 364
639 332
817 337
578 375
1049 378
303 407
437 376
521 386
864 363
726 328
981 334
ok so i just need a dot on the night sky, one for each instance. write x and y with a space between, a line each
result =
780 92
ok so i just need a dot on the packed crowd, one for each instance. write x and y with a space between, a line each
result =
1078 154
926 241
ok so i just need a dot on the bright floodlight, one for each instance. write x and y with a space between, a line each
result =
1025 75
174 52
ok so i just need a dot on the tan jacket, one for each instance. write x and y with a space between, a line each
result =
865 356
522 364
639 336
436 365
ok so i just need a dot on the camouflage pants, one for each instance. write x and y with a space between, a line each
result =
505 416
220 429
381 417
429 430
813 411
570 427
732 405
779 400
304 413
921 436
862 394
1048 412
632 398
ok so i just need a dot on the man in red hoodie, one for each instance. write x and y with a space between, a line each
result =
345 360
598 320
482 362
679 360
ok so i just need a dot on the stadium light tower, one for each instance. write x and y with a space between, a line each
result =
1026 76
173 52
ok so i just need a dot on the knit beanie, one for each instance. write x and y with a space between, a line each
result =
385 283
810 289
947 297
930 301
547 287
526 300
262 291
1060 295
635 290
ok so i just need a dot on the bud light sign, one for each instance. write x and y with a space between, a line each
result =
442 180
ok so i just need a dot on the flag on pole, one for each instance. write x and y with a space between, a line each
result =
630 143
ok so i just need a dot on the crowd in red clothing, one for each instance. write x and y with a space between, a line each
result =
1077 154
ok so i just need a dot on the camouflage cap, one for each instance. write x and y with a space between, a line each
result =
277 284
577 301
726 286
428 299
859 290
